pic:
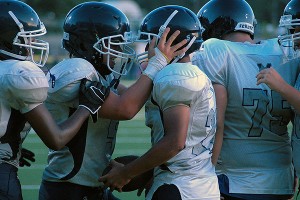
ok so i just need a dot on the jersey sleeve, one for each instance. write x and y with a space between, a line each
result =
212 60
26 87
177 87
64 80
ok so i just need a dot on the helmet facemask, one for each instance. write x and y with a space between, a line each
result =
290 40
145 38
26 46
118 48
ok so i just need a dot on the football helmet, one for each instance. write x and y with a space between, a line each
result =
176 18
290 21
94 29
220 17
20 28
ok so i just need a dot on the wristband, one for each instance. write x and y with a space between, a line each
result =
155 64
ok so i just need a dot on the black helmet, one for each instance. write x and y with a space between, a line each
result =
289 41
91 29
220 17
177 18
19 28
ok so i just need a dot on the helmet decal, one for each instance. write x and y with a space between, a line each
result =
244 26
220 17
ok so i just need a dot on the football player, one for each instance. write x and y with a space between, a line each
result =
24 89
181 114
98 39
290 20
252 135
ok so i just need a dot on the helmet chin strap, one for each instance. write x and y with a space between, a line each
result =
12 55
187 48
116 81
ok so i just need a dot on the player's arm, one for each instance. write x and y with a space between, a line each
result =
122 89
176 120
275 82
127 105
56 136
221 104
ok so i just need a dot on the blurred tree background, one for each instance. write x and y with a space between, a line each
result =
53 12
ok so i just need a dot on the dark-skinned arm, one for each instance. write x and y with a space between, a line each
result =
55 136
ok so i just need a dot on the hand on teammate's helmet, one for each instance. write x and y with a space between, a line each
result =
161 55
93 95
26 157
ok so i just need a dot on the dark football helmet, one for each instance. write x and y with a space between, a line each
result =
290 21
176 18
220 17
93 29
20 28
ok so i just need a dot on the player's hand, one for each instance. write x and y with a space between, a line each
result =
26 157
93 95
115 179
270 77
165 47
161 55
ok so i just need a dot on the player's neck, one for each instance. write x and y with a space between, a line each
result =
185 59
238 37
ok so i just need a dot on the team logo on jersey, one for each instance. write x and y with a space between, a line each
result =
243 26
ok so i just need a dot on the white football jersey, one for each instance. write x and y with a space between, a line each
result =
256 150
84 158
23 87
191 169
